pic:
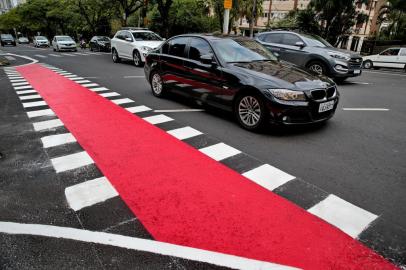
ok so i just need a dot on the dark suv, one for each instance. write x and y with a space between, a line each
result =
7 39
312 52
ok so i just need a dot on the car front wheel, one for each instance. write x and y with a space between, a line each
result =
115 57
317 67
368 64
137 59
157 85
251 112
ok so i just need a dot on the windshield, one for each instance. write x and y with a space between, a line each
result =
233 51
64 39
6 36
148 36
315 41
41 38
103 39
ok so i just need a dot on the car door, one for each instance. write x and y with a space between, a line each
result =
119 40
388 58
127 47
204 77
291 50
402 57
171 61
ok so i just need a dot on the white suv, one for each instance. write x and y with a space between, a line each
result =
134 44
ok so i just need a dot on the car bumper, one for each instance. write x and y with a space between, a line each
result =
344 69
62 48
299 113
42 44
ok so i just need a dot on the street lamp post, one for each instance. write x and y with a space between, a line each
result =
227 7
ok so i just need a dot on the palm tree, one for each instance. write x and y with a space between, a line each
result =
394 12
246 8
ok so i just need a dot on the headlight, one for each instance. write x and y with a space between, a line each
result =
289 95
146 48
338 55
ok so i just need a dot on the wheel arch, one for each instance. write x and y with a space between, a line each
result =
319 59
245 90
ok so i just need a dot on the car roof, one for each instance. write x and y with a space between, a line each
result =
212 37
62 36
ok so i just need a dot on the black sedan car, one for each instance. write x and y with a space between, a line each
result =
241 76
7 39
100 43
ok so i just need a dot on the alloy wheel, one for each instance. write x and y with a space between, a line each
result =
249 111
317 68
156 84
367 64
136 59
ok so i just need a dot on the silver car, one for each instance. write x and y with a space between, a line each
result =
64 43
40 41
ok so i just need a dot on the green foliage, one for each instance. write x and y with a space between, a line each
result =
393 13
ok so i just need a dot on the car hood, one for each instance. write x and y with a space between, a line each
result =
151 44
282 75
65 42
351 53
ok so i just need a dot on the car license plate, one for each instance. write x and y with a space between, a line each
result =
326 106
357 71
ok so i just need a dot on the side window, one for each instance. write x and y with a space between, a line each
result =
165 48
119 35
390 52
198 47
128 35
177 46
403 52
290 39
273 38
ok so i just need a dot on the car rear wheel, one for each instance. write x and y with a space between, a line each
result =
368 64
137 59
157 85
317 67
251 112
115 57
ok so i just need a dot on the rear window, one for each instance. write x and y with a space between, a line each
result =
175 47
273 38
6 36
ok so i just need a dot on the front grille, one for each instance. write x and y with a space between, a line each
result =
318 94
355 62
331 92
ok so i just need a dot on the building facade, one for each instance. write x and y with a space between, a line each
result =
6 5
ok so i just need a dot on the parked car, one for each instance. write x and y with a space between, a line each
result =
314 53
134 44
64 43
100 43
7 39
241 76
389 58
23 40
40 41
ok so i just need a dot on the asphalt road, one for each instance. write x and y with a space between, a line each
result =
359 155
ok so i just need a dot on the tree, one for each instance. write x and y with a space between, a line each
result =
163 8
246 9
96 13
125 8
394 13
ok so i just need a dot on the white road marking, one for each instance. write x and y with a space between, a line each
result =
90 85
76 79
83 81
89 193
25 92
70 76
364 83
59 139
54 55
268 176
12 73
386 73
29 97
9 58
68 54
40 113
81 54
157 119
40 55
98 89
140 244
70 162
347 217
184 133
129 77
110 94
220 151
20 83
15 77
64 73
38 126
138 109
18 80
366 109
122 100
22 87
179 110
34 104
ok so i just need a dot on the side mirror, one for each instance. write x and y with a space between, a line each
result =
128 39
208 59
300 44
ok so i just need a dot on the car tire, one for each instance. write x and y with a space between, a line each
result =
91 48
251 112
114 56
317 67
157 85
368 64
137 59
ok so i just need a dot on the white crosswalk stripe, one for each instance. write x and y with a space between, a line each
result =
38 126
54 55
268 176
25 92
122 101
56 140
70 162
29 97
34 104
46 112
99 89
40 55
110 94
220 151
157 119
22 87
138 109
184 133
90 85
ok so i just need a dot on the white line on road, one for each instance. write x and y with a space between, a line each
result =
386 73
138 109
347 217
29 97
122 100
179 110
59 139
41 56
18 80
12 77
268 176
157 119
366 109
38 126
83 81
184 133
9 58
22 87
20 83
139 244
129 77
364 83
89 193
54 55
38 113
90 85
70 162
34 104
25 92
76 78
110 94
220 151
99 89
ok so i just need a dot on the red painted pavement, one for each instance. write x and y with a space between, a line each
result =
184 197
